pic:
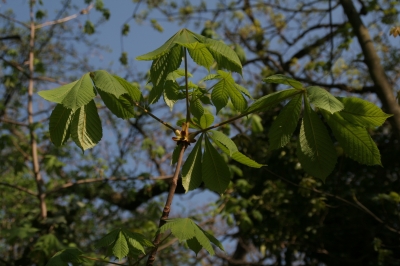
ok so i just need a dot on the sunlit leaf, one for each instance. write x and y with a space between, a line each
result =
73 95
323 99
106 82
362 113
282 79
59 125
315 151
162 66
268 101
355 140
206 120
85 128
121 107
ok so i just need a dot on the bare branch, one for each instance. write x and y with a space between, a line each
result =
63 20
28 191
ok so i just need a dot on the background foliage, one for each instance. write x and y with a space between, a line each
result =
275 215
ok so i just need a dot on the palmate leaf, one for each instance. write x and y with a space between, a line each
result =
362 113
132 90
196 108
229 147
315 150
185 229
281 79
85 127
284 125
162 66
65 257
191 169
165 48
59 125
206 120
224 55
268 101
323 99
215 171
156 93
107 83
73 95
179 73
121 107
225 88
199 53
120 248
355 140
120 242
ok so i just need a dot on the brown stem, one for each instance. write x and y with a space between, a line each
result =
30 192
35 160
187 87
167 207
155 117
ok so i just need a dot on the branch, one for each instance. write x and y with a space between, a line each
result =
153 116
63 20
14 20
167 207
95 180
28 191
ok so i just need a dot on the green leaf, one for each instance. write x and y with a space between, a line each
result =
199 53
185 229
362 113
355 140
179 73
243 90
315 151
155 94
191 169
175 154
213 240
86 129
162 50
268 101
243 159
106 82
162 66
323 99
196 108
216 175
194 245
224 55
220 137
229 147
281 79
73 95
256 125
108 239
285 124
132 90
63 257
219 96
121 106
120 248
206 120
59 125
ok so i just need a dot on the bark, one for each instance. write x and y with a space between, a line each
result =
383 88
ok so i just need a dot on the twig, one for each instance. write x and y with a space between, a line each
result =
28 191
6 120
153 116
94 180
373 215
62 20
167 207
14 20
